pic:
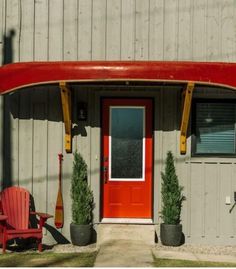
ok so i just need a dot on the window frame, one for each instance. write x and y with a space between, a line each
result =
193 127
141 179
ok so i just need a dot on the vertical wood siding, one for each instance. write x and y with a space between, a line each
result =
2 25
85 22
120 30
26 34
42 30
127 37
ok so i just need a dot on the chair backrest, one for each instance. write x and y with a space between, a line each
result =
15 204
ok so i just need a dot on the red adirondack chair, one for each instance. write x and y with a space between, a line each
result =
14 221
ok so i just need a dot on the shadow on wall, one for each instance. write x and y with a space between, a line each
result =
18 105
44 103
35 108
59 238
6 137
8 47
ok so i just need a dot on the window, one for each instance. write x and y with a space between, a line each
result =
214 123
127 143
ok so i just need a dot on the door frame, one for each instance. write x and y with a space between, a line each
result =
152 99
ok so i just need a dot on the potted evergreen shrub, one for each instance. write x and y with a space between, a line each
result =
82 203
172 198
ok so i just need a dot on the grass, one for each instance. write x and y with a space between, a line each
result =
87 260
48 259
184 263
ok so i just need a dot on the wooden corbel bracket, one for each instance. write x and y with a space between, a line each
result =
66 108
188 93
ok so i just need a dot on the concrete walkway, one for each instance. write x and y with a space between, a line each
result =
164 254
124 253
132 253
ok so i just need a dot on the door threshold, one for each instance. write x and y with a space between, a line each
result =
127 221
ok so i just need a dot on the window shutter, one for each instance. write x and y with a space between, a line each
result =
215 128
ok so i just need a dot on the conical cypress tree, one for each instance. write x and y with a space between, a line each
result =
171 191
81 194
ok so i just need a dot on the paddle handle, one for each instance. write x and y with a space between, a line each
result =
59 210
60 158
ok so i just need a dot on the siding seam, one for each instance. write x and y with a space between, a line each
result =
63 31
77 29
34 34
120 29
149 18
48 40
105 56
91 58
135 21
20 29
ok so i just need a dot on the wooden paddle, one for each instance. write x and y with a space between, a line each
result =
59 211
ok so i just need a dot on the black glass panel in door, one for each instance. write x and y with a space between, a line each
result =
126 134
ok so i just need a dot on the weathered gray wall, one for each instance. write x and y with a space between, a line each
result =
36 138
200 30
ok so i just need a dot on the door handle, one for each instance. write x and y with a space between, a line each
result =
105 175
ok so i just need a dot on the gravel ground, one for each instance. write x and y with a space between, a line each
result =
57 248
200 249
69 248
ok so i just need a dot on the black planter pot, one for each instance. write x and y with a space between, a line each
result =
171 234
80 234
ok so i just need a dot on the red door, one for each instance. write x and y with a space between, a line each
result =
127 158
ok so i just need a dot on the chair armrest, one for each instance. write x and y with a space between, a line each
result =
42 217
3 217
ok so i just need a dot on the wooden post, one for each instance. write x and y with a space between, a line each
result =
66 108
185 117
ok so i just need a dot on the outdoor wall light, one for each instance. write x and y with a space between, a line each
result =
82 111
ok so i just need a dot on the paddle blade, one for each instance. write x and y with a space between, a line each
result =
59 214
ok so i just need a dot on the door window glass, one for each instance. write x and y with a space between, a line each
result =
127 142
